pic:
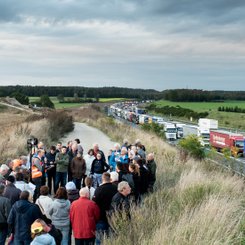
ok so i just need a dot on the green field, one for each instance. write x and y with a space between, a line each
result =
73 105
230 120
202 106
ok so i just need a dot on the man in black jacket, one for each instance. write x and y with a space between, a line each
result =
5 207
103 196
11 192
120 202
21 217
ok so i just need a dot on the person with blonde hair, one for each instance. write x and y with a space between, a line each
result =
39 236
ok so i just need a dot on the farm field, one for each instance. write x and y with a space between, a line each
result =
73 105
229 120
202 106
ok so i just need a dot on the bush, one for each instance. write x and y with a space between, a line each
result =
155 128
59 124
192 146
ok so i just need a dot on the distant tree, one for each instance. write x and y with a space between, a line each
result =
23 99
76 97
46 102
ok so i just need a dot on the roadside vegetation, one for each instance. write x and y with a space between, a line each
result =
194 202
17 127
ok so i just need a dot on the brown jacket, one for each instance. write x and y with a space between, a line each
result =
78 167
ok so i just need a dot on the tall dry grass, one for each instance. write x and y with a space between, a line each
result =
193 203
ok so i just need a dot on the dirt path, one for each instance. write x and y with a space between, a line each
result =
88 136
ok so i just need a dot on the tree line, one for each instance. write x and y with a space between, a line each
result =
177 111
231 109
83 92
179 95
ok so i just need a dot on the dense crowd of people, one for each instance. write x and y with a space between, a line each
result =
59 194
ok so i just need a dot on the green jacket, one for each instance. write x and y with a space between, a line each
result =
62 161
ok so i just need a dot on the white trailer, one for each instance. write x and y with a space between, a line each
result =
170 131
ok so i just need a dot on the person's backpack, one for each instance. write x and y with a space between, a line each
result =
128 178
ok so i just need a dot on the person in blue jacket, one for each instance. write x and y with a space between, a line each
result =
114 158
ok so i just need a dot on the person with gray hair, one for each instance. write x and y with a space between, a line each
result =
3 171
120 202
84 215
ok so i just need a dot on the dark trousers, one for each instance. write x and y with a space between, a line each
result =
51 179
77 182
60 178
3 234
102 229
89 241
38 183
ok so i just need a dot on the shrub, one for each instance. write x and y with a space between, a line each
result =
59 124
192 146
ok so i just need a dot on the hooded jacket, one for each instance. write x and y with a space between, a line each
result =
21 217
59 212
44 239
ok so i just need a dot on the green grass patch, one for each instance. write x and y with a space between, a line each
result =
104 100
229 120
202 106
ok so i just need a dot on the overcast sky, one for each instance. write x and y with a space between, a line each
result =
159 44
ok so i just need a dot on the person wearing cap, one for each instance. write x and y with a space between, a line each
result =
23 213
72 191
84 215
11 192
40 236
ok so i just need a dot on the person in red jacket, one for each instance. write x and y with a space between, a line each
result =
84 215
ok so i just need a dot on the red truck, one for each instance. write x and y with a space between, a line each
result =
221 139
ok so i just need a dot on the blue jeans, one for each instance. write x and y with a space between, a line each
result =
65 234
3 235
102 228
60 178
18 242
97 180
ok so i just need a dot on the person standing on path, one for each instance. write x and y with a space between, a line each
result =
62 161
84 215
36 172
99 166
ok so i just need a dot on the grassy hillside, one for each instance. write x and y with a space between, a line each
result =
194 202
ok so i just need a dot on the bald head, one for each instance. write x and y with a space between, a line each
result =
150 157
84 192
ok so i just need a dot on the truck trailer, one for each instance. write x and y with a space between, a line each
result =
221 139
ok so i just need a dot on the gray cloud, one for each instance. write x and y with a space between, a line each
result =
141 43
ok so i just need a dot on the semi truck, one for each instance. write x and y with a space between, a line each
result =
203 132
170 131
221 139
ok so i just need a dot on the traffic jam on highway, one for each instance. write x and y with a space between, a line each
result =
207 129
